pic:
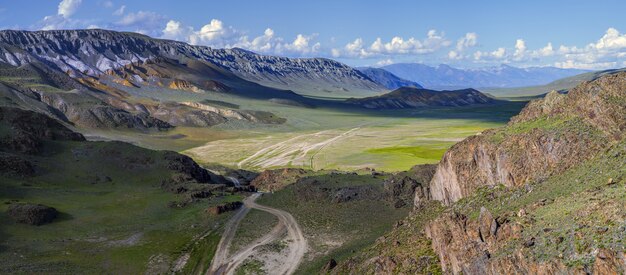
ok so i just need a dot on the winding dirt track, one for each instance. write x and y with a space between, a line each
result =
221 264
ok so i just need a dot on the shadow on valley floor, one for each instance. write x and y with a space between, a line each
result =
498 112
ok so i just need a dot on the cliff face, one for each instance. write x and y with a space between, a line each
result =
566 150
547 137
543 195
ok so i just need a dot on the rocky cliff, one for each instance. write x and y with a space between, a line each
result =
542 195
549 136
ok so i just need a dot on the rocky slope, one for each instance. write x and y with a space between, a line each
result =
25 134
387 79
542 195
547 137
93 52
408 97
112 101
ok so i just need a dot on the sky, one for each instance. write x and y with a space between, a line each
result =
566 34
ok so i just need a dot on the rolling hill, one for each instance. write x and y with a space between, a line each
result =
410 97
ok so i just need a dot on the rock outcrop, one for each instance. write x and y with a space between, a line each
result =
549 136
27 130
219 209
33 214
409 188
274 180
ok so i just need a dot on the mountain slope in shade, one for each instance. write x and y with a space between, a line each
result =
387 79
503 76
410 97
92 52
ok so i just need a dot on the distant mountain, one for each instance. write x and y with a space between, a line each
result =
387 79
561 85
93 52
410 97
503 76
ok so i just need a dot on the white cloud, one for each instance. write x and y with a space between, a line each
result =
469 40
68 7
107 4
611 40
302 45
217 34
396 46
384 62
120 11
545 51
520 49
606 52
497 54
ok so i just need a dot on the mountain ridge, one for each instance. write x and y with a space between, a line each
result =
503 76
412 97
92 52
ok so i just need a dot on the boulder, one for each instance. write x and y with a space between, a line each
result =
33 214
219 209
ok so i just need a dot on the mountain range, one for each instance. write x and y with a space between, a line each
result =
93 52
503 76
387 79
108 79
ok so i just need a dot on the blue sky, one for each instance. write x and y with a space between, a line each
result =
578 34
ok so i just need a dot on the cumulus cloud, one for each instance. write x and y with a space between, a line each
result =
493 55
468 41
548 50
68 7
396 46
520 49
606 52
217 34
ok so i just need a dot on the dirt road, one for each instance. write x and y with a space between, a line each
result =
222 264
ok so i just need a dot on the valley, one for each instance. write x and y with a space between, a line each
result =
127 154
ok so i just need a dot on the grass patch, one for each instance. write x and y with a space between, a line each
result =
250 267
201 253
335 229
256 224
105 227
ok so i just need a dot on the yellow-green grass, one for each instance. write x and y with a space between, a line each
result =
253 226
230 143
